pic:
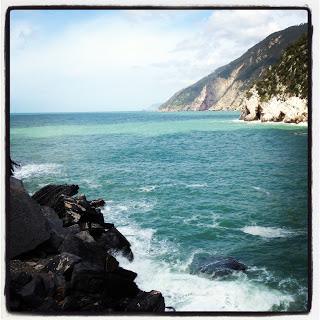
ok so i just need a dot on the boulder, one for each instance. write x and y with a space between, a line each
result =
152 301
215 266
87 277
27 227
50 195
62 263
55 227
97 203
90 252
114 241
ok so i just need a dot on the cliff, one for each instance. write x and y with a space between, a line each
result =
225 88
281 92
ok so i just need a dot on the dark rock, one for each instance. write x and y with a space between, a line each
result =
97 203
34 292
87 277
85 236
124 273
88 251
26 227
50 195
116 287
152 301
111 264
62 263
215 266
55 227
73 229
112 240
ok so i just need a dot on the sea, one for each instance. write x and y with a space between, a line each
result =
178 185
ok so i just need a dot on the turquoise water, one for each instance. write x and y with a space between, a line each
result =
180 184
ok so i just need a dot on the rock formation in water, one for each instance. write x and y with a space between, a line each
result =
61 256
226 87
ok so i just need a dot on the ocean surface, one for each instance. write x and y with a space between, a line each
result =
184 184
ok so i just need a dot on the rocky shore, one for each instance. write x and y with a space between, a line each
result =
288 110
61 256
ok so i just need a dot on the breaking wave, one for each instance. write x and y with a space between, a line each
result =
267 232
37 170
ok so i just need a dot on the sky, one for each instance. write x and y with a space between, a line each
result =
125 60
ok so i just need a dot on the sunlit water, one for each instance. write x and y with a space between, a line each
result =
179 184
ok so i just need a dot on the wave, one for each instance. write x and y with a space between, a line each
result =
197 185
114 208
186 292
181 290
147 188
37 170
261 190
91 184
267 232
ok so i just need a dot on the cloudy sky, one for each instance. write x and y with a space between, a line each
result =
68 61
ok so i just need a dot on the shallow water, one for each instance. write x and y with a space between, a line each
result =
178 184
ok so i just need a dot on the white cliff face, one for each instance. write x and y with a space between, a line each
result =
286 109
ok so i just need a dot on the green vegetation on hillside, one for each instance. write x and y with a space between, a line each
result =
289 77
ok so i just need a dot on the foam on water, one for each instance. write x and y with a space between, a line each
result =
267 232
261 190
37 170
197 185
147 188
181 290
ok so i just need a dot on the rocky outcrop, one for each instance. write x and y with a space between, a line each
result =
289 110
66 262
225 88
27 227
215 266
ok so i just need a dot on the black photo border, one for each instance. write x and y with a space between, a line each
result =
156 7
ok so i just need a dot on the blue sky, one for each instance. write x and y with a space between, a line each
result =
116 60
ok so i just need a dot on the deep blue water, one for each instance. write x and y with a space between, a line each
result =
180 184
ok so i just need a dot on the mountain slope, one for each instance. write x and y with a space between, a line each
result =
281 93
225 88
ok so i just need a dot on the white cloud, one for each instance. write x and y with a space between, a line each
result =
129 59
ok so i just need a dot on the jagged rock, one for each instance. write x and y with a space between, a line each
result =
124 273
55 227
111 263
87 277
116 287
50 195
26 225
115 241
90 252
85 236
152 301
62 263
215 266
97 203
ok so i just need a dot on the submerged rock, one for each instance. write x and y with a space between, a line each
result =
215 266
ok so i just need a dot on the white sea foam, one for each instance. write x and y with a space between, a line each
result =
147 188
114 208
187 292
91 184
37 170
181 290
197 185
267 232
261 190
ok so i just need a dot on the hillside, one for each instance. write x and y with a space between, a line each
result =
281 93
225 88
